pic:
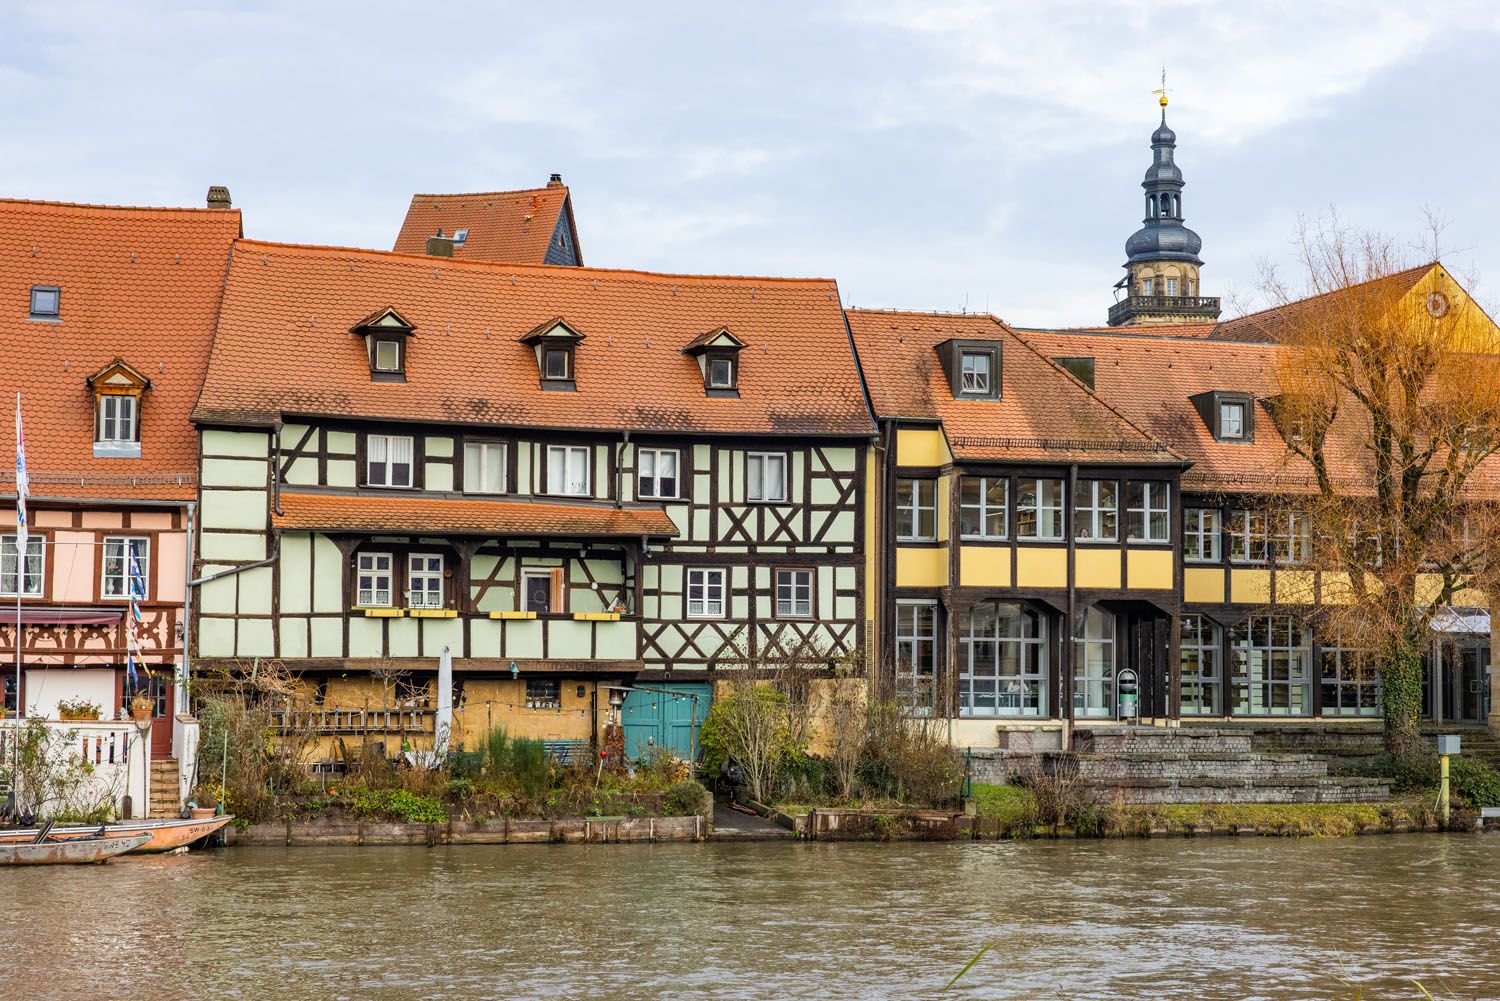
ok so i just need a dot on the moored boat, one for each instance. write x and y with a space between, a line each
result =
70 851
160 835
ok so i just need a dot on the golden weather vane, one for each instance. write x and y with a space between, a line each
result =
1162 91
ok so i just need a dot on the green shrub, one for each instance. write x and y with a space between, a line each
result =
494 752
687 797
1418 770
529 765
1474 782
397 803
459 788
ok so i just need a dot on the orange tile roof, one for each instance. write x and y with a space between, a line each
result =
283 346
1269 325
1204 329
138 284
445 516
1044 413
504 226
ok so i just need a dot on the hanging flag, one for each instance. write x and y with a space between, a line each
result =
136 585
23 488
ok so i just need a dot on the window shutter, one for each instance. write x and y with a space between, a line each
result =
557 596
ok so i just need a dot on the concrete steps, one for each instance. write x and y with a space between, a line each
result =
165 801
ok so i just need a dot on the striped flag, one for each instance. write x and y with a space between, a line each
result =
136 584
23 488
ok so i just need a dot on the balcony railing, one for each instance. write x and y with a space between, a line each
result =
1201 306
335 721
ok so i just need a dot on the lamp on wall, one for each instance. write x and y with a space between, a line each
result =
515 670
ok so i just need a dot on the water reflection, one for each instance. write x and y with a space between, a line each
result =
1253 918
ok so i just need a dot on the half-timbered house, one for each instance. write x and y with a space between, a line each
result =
569 479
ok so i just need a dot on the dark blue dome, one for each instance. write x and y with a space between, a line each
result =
1164 240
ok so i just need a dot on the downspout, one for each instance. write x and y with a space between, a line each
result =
275 552
1065 694
276 474
620 469
187 607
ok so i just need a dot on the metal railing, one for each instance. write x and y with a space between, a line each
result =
1205 306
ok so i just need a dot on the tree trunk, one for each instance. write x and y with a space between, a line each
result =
1401 697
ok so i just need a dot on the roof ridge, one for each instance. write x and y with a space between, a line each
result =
488 194
1275 307
508 267
878 310
94 207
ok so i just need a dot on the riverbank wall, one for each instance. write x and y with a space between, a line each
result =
501 831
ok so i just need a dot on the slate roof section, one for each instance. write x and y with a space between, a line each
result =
282 346
404 513
138 284
1044 413
514 227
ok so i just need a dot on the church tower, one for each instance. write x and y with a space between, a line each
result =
1161 258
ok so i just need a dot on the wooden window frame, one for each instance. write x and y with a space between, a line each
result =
412 574
100 420
916 508
984 509
505 462
390 579
687 586
1148 490
8 542
557 590
1091 512
1193 528
812 593
588 469
1061 507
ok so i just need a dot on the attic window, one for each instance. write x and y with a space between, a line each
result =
460 237
972 367
718 355
385 332
117 390
1229 416
1232 419
721 372
556 344
386 355
46 302
558 363
1082 368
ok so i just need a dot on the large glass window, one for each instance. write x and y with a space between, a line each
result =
373 580
1148 512
1351 685
568 470
1096 510
1002 662
1290 540
1202 681
1270 663
916 653
388 460
31 575
1094 664
126 567
1039 509
1247 537
765 477
1200 542
983 507
916 510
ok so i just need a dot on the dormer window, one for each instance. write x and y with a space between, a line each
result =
1229 416
1231 419
718 355
386 333
117 390
556 344
972 367
46 302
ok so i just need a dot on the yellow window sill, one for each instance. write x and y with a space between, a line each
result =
597 616
432 613
512 615
382 613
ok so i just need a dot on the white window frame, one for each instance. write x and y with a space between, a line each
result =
1146 286
1239 406
1095 649
544 573
387 461
490 454
116 587
394 346
756 484
1138 517
797 584
568 452
369 564
916 645
1252 533
1204 525
1171 286
1089 511
124 421
918 505
32 584
984 509
728 368
707 580
656 455
971 381
424 597
1289 539
1038 508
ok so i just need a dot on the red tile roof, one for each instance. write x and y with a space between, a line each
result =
444 516
283 346
505 226
1204 329
138 284
1271 325
1044 413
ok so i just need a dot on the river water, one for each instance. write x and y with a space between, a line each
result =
1207 918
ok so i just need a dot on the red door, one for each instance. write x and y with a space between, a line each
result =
158 686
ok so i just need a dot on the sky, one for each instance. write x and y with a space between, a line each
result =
945 154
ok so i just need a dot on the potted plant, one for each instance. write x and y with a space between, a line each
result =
140 707
74 710
203 803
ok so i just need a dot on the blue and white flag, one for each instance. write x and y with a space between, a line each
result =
136 585
23 488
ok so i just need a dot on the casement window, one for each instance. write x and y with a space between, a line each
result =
721 372
387 356
1351 681
31 570
557 364
1148 512
794 594
372 580
1171 286
1094 664
765 476
46 302
115 419
975 373
542 591
1232 419
983 507
1039 510
656 473
424 581
484 467
1202 666
1096 510
1248 542
1002 665
568 470
388 460
543 693
706 593
972 368
1270 663
1290 538
127 567
1148 287
916 510
916 654
1200 542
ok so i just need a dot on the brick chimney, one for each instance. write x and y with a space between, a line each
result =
555 181
218 197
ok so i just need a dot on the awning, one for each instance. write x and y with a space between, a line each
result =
408 515
1461 621
59 616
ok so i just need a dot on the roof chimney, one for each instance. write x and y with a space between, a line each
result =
440 245
218 197
555 181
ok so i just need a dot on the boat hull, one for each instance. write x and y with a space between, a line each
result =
73 851
161 835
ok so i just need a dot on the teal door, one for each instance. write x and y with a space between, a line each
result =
670 718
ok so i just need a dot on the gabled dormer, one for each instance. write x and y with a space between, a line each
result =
718 355
387 335
556 345
118 391
972 368
1229 415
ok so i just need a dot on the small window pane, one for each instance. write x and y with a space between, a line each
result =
387 356
1231 420
720 373
44 300
556 363
975 372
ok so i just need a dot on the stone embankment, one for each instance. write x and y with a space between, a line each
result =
500 831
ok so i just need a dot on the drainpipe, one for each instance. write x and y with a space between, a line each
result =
275 552
620 469
1065 695
187 606
276 474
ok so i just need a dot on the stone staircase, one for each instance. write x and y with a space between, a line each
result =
1149 764
164 792
1350 743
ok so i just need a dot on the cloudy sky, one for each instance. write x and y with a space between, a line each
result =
926 154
